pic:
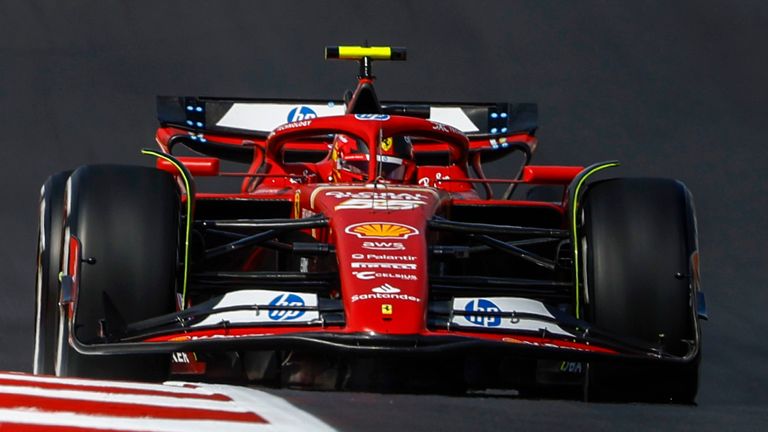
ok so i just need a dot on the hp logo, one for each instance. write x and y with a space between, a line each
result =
301 113
379 117
290 300
483 305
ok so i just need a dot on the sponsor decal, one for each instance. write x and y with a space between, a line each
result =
444 128
571 367
379 117
483 305
372 256
180 357
290 300
370 275
267 116
381 230
378 200
403 196
386 289
373 189
301 113
294 125
378 204
540 318
384 265
383 246
380 296
266 299
426 181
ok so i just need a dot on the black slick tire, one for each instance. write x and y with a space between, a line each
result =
639 234
127 221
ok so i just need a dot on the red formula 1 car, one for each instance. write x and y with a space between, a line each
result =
365 247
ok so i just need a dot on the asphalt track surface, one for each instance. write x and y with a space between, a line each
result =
672 89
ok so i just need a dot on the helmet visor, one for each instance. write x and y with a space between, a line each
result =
357 165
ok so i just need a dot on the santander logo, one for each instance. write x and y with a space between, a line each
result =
386 289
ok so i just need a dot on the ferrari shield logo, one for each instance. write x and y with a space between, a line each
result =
386 144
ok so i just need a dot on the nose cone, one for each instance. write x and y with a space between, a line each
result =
382 253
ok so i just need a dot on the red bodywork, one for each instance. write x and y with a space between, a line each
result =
356 241
379 230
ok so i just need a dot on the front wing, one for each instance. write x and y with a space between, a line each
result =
271 320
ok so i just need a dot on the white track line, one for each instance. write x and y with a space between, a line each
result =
194 389
278 413
37 418
121 398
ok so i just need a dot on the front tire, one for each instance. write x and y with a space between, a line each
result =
127 221
639 236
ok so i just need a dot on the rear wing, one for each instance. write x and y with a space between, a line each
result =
258 117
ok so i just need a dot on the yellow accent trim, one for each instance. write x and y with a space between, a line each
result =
574 211
189 219
358 52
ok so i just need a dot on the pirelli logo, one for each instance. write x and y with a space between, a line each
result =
381 230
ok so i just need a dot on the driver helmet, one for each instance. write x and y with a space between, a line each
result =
350 158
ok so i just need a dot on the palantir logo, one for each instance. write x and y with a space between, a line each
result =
302 112
483 305
289 300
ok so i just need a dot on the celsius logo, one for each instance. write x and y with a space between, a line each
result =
289 300
301 113
386 289
483 305
371 275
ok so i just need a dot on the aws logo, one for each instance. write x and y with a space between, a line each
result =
381 230
383 246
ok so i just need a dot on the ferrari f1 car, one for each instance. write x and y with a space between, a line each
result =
365 246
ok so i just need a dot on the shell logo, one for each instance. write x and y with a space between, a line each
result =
384 230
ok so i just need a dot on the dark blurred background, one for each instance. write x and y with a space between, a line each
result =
672 89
